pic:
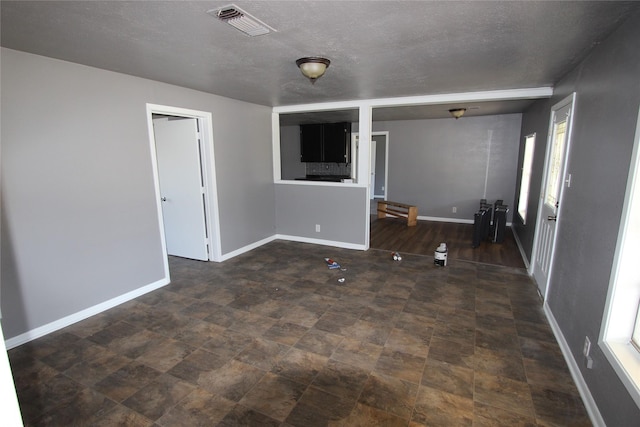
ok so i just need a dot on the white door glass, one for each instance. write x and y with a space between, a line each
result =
559 137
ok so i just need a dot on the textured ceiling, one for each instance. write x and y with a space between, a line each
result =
378 49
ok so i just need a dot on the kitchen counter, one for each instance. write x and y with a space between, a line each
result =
327 178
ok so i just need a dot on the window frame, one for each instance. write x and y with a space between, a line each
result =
621 309
527 167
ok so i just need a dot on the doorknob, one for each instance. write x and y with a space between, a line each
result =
164 199
552 217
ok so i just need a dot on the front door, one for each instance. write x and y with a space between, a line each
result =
181 187
551 194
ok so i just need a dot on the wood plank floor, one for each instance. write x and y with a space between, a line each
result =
393 234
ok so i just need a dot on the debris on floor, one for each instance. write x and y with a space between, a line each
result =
332 264
341 280
440 255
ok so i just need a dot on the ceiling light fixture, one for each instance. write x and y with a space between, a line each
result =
313 67
457 112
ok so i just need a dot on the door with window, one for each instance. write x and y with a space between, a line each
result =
551 195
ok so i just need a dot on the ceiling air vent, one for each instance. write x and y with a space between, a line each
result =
241 20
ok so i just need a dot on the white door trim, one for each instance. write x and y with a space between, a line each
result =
205 123
11 415
571 99
355 138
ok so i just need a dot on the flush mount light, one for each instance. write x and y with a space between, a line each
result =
313 67
457 112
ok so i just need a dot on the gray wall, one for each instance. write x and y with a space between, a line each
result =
606 111
441 163
341 212
79 222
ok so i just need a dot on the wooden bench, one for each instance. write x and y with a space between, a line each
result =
401 210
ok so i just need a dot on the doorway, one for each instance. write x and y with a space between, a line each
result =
184 175
554 182
379 164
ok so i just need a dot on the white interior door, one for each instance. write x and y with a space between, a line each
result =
181 187
555 169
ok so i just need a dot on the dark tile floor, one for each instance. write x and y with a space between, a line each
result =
271 338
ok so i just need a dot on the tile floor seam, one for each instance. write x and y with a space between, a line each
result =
175 405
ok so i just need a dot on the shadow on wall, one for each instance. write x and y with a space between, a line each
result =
11 298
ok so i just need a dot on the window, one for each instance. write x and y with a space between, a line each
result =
620 332
525 180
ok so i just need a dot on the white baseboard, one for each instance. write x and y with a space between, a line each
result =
247 248
521 249
451 220
442 219
583 389
81 315
99 308
290 238
334 243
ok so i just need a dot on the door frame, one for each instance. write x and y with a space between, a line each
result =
212 215
386 160
355 141
570 99
372 168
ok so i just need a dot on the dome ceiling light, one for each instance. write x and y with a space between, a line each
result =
457 112
313 67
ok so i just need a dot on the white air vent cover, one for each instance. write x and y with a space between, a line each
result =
241 20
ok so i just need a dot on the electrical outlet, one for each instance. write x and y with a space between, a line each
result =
454 209
317 228
586 349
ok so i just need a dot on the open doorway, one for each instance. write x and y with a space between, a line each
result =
379 164
184 174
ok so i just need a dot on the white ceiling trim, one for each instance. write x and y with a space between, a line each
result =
447 98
